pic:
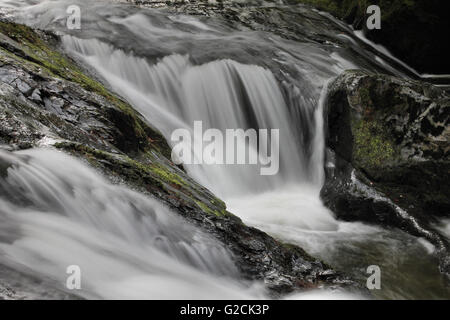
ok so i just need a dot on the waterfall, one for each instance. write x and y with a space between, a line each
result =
176 69
56 212
223 94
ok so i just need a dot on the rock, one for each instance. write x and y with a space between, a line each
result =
412 30
388 157
291 22
47 100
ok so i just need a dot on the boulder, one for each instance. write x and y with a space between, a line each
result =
388 154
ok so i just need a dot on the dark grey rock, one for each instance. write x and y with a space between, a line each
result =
388 157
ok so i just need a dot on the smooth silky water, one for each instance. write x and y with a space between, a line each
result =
56 212
176 69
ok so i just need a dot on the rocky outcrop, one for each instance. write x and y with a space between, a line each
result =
388 157
46 100
412 29
298 23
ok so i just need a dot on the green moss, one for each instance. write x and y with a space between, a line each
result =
34 52
364 95
153 177
118 160
166 175
300 252
372 146
90 154
162 172
207 209
218 202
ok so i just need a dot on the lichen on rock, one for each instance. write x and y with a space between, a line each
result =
391 136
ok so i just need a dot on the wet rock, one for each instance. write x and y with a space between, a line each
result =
388 156
291 22
412 29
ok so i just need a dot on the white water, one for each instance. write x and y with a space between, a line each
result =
225 94
174 92
149 60
126 244
222 94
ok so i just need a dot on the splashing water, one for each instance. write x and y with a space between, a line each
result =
56 212
177 69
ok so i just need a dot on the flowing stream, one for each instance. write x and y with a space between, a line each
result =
176 69
56 212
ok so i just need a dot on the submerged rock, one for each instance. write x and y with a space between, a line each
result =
47 100
388 157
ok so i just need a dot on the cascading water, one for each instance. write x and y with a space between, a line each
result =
56 212
222 94
228 79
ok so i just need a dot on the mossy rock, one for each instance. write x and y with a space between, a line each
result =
39 52
378 122
373 147
386 126
388 138
151 175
